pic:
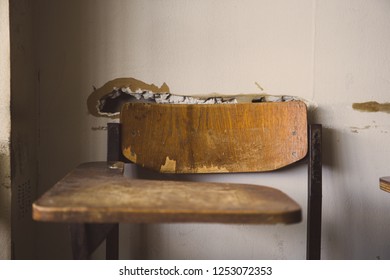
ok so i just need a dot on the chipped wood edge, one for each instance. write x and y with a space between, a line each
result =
384 184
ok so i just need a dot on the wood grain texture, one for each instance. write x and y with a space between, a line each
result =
384 184
216 138
93 193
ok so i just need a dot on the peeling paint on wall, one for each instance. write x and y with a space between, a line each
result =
355 129
358 129
107 91
107 100
97 128
372 106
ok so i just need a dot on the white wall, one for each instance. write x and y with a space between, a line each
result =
5 130
334 53
352 65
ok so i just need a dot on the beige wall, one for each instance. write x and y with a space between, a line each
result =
334 53
5 126
352 65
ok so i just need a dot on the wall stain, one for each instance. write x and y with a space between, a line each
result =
355 129
372 106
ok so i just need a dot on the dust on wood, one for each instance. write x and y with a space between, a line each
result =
93 193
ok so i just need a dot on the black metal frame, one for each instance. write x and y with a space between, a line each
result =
314 204
114 151
86 238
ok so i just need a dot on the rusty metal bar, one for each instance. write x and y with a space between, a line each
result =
314 207
113 142
114 149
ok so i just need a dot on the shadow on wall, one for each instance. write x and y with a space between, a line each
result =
5 203
63 42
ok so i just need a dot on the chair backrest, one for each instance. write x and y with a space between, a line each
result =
217 138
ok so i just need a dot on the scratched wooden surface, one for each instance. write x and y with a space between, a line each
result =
94 193
244 137
384 184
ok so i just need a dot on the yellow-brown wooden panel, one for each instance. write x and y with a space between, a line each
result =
384 184
217 138
93 193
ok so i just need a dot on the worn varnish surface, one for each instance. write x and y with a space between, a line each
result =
214 138
384 183
94 193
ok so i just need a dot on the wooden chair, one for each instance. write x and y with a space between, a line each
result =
245 137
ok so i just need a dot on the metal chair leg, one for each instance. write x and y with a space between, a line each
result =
86 238
314 211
